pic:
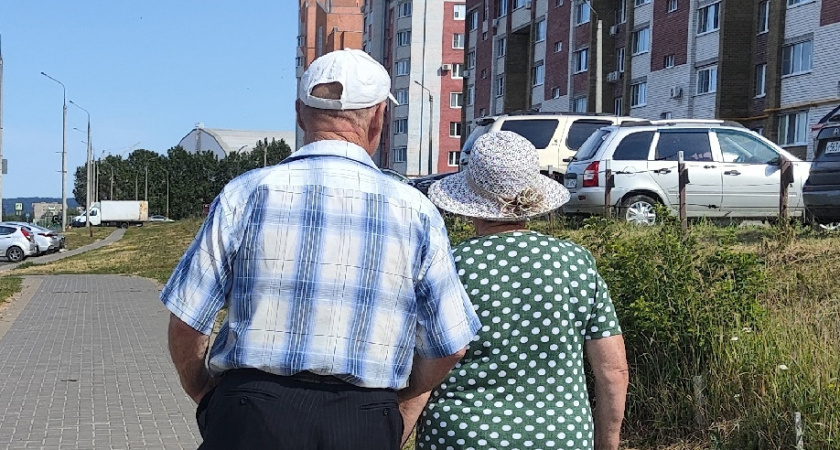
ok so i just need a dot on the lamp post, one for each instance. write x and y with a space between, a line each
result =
63 153
88 190
431 122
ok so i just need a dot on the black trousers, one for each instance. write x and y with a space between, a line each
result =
255 410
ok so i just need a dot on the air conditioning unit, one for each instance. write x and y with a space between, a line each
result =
613 30
676 92
446 67
465 73
613 76
484 26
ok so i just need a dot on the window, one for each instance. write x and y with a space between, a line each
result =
641 2
483 73
764 16
666 116
672 5
538 74
621 12
743 147
501 47
539 31
299 61
402 96
558 3
634 147
579 104
457 71
638 94
458 40
471 60
555 92
404 10
470 95
539 131
301 41
519 3
641 41
401 126
582 129
500 86
617 105
707 80
619 59
400 154
472 21
797 2
454 158
694 145
460 12
403 38
558 46
454 129
796 58
581 60
709 18
456 99
582 13
402 67
503 8
760 80
793 128
670 61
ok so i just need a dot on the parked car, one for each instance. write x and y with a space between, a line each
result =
47 240
159 218
557 136
396 175
16 242
423 183
821 192
732 171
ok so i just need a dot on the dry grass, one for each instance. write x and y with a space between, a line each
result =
79 237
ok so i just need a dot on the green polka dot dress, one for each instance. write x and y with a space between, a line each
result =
522 383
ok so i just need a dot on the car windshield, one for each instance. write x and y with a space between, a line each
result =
580 131
478 131
538 131
590 147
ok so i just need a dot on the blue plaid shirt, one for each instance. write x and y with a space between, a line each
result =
325 265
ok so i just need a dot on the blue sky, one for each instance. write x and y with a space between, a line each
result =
146 70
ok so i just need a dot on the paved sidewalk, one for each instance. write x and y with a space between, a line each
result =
85 365
113 237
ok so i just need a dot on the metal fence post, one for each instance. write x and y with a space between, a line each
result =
683 181
608 185
786 178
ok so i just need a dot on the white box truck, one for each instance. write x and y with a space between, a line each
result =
117 213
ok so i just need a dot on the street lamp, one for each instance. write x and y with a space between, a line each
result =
431 116
88 194
63 153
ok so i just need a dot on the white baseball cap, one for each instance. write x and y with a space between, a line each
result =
364 81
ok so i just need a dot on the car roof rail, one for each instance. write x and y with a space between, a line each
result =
557 113
680 122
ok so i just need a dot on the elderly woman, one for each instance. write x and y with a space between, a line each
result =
543 307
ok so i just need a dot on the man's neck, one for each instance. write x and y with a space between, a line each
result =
352 138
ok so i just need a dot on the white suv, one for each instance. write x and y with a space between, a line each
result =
732 171
556 135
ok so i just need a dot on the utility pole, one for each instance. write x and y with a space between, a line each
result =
146 195
136 197
167 193
2 166
63 153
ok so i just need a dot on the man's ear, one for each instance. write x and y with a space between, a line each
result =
298 106
376 124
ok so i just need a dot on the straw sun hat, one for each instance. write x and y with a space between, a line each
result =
502 182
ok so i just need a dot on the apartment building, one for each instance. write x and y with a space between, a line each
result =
421 43
325 26
769 64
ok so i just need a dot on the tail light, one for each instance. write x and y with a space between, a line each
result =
26 234
590 174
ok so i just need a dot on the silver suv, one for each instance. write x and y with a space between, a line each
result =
732 171
556 135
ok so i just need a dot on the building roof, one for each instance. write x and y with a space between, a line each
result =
225 141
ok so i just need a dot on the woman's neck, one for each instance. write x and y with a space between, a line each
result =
488 227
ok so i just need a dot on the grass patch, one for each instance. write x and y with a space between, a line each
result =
79 237
9 286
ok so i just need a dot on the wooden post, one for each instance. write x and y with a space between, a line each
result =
786 178
610 183
797 423
699 402
683 181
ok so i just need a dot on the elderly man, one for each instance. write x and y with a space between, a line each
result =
341 292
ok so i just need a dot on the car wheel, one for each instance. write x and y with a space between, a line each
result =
15 254
124 225
639 210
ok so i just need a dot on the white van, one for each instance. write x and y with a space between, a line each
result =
556 135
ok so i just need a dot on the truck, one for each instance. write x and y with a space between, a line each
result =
116 213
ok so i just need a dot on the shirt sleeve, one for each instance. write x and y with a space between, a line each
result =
603 321
447 321
198 287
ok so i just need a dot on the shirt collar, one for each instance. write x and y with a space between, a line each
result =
337 148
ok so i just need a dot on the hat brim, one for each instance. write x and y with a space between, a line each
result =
454 195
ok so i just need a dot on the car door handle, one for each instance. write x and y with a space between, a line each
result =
732 172
709 167
662 171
